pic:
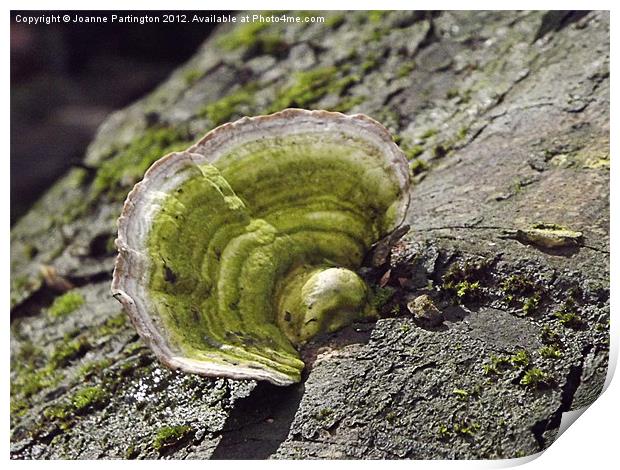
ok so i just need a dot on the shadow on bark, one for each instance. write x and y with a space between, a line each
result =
259 423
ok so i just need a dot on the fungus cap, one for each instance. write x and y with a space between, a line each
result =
226 248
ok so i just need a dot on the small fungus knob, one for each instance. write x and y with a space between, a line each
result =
322 301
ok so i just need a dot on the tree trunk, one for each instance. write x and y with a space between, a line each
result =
505 117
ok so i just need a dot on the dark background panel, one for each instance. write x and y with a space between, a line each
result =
66 78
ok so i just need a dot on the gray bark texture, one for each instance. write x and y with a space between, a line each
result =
505 116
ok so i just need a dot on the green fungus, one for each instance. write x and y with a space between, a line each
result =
254 241
327 300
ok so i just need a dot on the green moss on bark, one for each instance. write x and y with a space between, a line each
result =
88 397
310 86
66 304
118 174
170 435
222 110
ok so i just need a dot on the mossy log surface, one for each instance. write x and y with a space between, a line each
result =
505 116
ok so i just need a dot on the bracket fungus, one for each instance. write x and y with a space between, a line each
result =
237 251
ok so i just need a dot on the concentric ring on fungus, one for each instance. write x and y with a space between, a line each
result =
244 246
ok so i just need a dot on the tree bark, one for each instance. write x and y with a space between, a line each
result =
505 116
